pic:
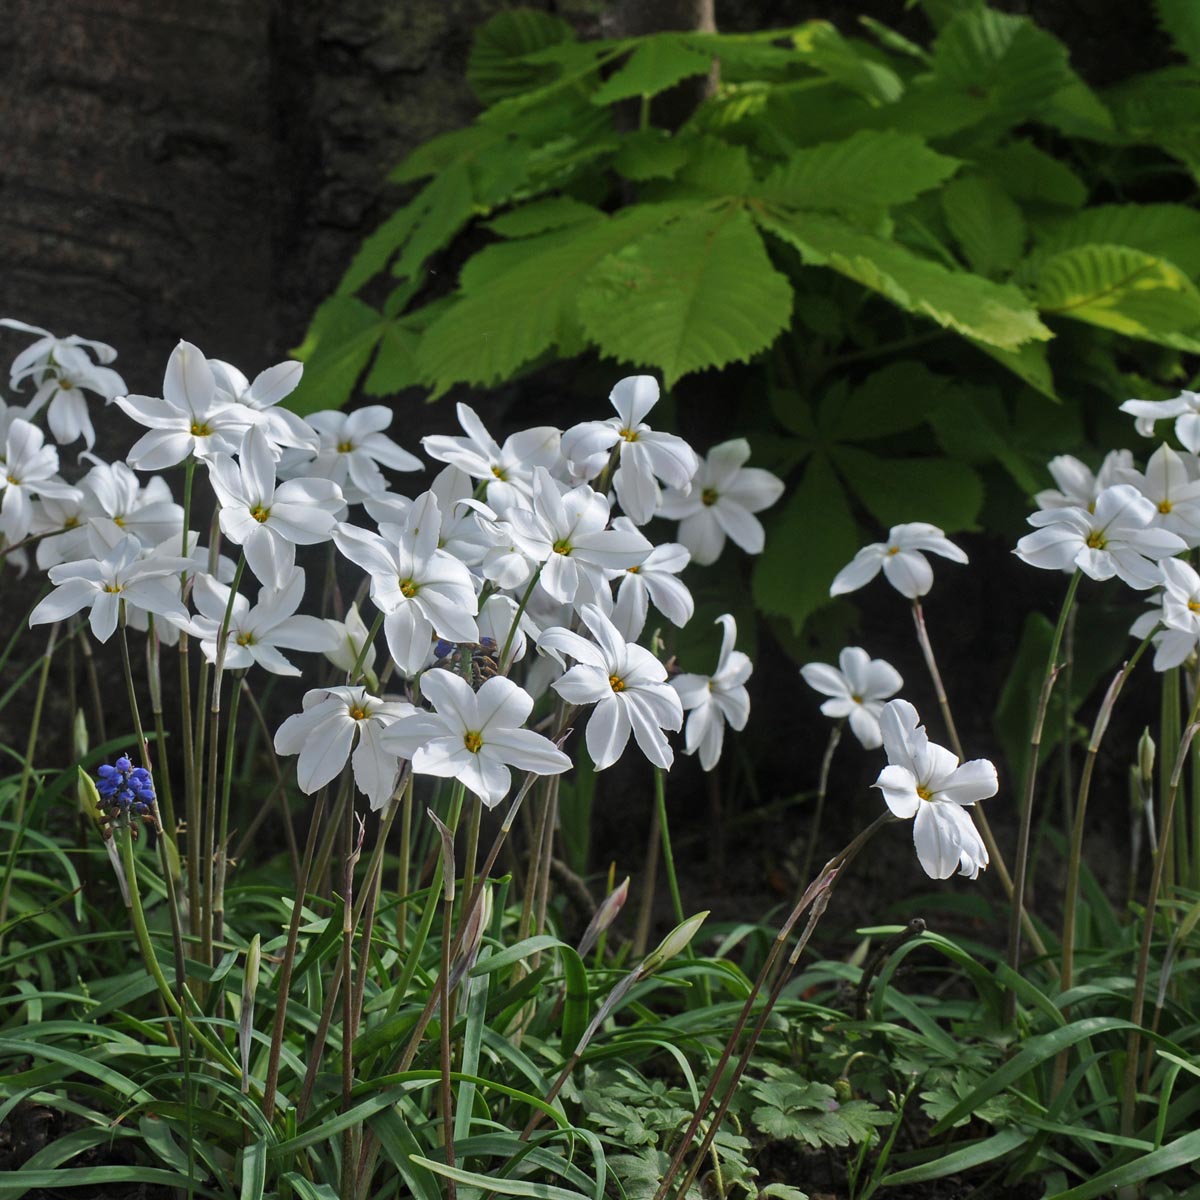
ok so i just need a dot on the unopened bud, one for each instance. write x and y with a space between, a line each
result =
674 943
477 923
1146 756
79 735
603 917
246 1024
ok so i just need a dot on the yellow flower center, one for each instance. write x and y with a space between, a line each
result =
634 570
119 522
924 793
1194 606
616 683
630 435
499 474
408 589
1164 506
199 429
857 699
245 639
345 447
72 522
473 741
259 513
708 497
1096 541
562 546
112 588
65 384
13 480
893 550
358 714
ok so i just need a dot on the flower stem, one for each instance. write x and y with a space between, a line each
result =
19 813
995 857
1075 856
1129 1095
289 960
503 663
835 736
1018 916
820 885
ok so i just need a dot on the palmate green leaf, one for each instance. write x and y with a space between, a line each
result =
495 68
998 314
699 293
1031 175
1170 231
1006 60
515 298
1181 21
1122 289
986 223
872 168
541 216
946 493
340 341
809 540
657 63
855 65
649 154
1029 363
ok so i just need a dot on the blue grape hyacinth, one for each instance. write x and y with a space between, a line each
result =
125 787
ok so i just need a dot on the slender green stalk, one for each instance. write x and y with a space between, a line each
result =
1162 854
503 661
1169 734
404 869
835 736
660 802
154 679
208 931
280 790
369 1150
289 961
1075 855
641 931
216 1052
351 857
820 885
226 794
19 812
1030 785
93 678
995 856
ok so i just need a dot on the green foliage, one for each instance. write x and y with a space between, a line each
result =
830 204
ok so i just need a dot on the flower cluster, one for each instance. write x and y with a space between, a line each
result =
520 570
127 791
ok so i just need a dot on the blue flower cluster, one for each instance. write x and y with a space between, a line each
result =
125 787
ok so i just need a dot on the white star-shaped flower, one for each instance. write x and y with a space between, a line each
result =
900 558
926 781
712 701
858 690
474 737
722 501
627 685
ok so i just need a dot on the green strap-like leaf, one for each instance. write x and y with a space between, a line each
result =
699 293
